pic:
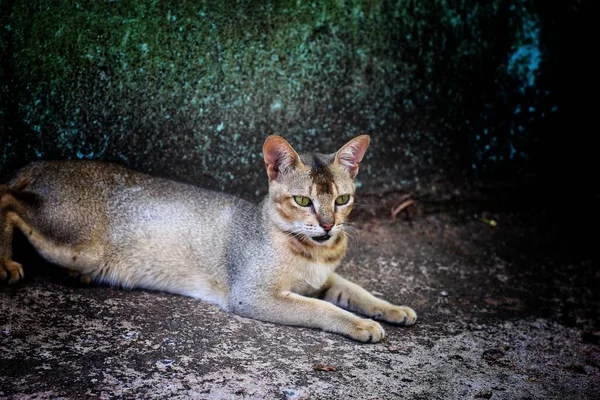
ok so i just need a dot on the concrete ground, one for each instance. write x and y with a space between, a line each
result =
505 312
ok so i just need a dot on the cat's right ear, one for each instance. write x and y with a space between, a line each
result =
279 155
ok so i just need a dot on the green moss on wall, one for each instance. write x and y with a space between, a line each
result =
191 89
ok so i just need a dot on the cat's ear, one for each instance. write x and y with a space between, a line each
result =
279 155
352 153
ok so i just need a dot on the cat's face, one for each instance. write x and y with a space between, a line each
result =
312 194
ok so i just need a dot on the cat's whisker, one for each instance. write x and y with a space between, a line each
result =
347 223
296 235
350 233
350 227
352 242
364 206
355 231
350 236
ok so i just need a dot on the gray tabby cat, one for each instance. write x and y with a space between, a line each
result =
274 261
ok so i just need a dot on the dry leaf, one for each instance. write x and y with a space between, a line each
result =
324 367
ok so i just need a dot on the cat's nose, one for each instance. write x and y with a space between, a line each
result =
327 227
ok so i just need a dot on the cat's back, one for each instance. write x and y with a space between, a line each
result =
109 194
83 179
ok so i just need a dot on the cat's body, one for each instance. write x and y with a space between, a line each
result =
259 260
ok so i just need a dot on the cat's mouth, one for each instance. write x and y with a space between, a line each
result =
321 239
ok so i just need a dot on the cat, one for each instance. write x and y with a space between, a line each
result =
273 261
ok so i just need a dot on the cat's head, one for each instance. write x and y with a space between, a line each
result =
312 193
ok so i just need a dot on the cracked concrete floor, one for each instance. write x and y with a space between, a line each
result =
505 312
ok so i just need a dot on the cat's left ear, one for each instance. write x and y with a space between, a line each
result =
352 153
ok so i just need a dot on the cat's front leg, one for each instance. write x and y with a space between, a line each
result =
351 296
289 308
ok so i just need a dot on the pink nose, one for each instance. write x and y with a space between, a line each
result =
327 227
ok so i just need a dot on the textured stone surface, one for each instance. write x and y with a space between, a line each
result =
494 322
190 90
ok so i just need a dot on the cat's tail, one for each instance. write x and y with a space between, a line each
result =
14 194
23 178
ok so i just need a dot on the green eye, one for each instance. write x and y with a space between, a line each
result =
343 199
302 201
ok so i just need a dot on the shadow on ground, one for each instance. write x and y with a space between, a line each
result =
505 312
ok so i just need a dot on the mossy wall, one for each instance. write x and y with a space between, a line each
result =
190 89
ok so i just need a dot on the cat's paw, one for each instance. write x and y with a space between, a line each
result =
11 270
399 315
83 278
366 330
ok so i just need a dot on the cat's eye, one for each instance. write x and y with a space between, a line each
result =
302 201
343 199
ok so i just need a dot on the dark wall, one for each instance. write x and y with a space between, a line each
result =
450 91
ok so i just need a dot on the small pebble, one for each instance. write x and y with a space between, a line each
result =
443 293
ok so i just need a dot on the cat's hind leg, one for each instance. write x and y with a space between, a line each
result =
82 258
9 269
351 296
